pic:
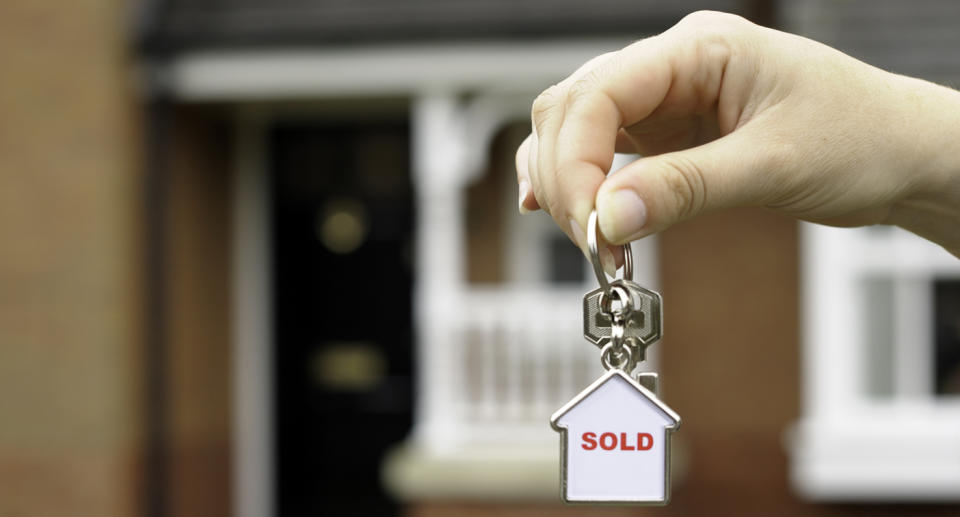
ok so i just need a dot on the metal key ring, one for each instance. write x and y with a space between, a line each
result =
616 359
592 241
622 296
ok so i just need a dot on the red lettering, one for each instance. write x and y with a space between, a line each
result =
644 441
603 441
610 442
589 441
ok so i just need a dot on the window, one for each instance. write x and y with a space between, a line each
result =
946 326
566 261
881 366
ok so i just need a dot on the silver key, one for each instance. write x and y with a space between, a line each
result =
622 318
640 309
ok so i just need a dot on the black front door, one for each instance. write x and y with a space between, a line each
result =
342 207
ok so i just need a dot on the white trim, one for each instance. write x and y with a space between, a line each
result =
253 480
903 453
237 75
829 311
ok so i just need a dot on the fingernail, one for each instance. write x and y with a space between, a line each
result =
608 262
524 191
577 234
622 215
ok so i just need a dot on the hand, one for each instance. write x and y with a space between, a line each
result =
726 113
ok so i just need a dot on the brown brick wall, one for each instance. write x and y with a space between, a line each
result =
198 351
69 267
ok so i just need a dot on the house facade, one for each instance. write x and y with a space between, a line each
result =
486 339
285 275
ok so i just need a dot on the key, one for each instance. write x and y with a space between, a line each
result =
615 435
640 309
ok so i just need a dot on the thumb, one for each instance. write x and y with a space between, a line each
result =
653 193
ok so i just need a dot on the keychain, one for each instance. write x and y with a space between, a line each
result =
615 435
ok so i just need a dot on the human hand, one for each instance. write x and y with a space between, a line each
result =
727 113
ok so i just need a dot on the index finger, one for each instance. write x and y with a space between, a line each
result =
617 93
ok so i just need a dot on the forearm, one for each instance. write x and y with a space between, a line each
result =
932 138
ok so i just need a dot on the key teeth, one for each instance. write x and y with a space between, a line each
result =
641 355
649 380
638 352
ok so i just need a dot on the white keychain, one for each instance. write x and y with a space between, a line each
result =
615 434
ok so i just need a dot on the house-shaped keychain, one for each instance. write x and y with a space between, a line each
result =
615 443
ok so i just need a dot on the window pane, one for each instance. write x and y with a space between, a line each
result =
566 261
946 299
878 318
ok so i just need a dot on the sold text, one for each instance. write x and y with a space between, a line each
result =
623 441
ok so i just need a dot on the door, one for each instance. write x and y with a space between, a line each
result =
342 216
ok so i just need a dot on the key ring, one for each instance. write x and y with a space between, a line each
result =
616 354
592 240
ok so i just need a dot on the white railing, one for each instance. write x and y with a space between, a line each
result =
515 357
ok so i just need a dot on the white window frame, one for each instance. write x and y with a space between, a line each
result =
849 445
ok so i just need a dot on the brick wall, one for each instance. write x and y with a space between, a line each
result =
69 267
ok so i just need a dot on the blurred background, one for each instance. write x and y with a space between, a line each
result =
263 259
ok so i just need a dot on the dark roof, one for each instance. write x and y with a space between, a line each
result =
172 25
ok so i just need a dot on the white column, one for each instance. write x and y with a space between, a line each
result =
437 147
251 316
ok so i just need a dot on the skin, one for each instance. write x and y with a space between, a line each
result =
726 113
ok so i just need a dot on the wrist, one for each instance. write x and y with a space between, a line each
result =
930 206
